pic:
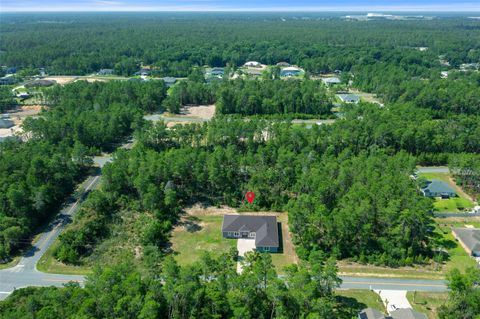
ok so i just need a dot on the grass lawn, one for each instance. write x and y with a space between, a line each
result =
11 263
456 204
201 231
361 299
427 302
49 264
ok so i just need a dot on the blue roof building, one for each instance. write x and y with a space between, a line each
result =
436 188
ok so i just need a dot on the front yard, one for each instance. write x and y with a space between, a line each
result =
427 302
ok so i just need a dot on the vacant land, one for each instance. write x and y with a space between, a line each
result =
427 302
205 112
456 204
200 230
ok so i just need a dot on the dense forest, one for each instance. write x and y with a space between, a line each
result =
37 175
325 192
345 186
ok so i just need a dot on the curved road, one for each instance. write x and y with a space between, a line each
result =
25 273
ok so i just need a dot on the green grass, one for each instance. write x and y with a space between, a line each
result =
202 233
11 263
455 204
49 264
361 299
427 302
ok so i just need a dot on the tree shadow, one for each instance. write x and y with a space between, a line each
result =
191 224
349 307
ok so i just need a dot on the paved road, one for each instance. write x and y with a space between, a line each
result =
433 169
392 284
25 273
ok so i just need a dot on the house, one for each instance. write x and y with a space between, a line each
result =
106 72
370 313
349 98
283 64
6 123
331 81
406 313
169 81
23 95
469 238
290 71
215 73
6 80
253 72
262 229
437 188
253 64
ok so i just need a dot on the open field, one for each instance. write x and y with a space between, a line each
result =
456 204
364 298
200 230
427 302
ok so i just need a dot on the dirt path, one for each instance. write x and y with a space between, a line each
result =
459 189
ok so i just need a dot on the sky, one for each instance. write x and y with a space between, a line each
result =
239 5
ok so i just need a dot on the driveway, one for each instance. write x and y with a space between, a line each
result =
394 299
243 246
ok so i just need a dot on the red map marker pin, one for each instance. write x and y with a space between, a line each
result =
250 196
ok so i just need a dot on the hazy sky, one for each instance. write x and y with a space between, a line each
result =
236 5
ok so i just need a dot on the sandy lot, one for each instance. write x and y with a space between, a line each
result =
62 80
205 112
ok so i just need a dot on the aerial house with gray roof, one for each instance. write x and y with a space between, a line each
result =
469 238
262 229
437 188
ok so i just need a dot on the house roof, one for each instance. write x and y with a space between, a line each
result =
437 186
265 228
469 236
370 313
332 80
169 79
407 313
6 123
291 68
349 97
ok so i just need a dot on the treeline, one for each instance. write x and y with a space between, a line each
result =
466 170
36 176
209 288
422 86
7 100
63 42
95 115
272 97
247 97
464 295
